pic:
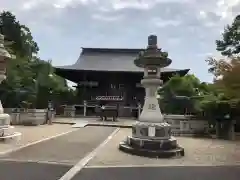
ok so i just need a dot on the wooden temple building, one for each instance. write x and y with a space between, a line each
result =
105 75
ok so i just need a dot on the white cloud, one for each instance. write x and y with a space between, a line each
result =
159 22
224 8
141 4
30 4
104 9
174 41
203 14
186 28
105 17
135 4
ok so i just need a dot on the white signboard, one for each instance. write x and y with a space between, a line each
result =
151 131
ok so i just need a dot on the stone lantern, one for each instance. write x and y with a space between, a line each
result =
6 131
151 135
4 57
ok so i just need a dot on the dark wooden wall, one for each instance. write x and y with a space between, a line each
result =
113 84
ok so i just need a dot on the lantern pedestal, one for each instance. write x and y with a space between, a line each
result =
151 140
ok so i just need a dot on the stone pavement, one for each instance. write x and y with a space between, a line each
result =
10 170
51 159
32 134
67 149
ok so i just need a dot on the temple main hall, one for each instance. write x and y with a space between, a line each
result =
107 75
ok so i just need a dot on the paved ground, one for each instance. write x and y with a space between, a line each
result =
67 149
31 171
205 158
160 173
32 134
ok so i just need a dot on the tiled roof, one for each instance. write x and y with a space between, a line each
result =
104 59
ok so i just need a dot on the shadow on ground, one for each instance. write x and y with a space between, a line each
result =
31 171
163 173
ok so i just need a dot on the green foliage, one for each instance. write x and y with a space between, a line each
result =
230 43
183 94
226 71
28 81
17 33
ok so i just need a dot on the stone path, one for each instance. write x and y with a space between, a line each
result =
52 159
32 134
67 149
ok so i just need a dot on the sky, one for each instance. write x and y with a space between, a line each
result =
186 29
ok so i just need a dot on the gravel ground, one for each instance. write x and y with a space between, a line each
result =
198 152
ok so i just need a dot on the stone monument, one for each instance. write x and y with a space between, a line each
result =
6 130
151 135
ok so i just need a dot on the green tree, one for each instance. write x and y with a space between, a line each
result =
230 43
19 34
28 80
181 94
226 70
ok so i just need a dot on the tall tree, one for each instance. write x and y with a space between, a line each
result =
230 43
19 34
28 77
229 46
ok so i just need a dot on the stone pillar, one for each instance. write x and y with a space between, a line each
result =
184 126
231 131
69 111
151 111
84 108
218 129
139 109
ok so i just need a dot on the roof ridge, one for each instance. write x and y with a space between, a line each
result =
110 50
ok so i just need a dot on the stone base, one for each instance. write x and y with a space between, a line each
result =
6 130
4 119
7 133
152 148
162 130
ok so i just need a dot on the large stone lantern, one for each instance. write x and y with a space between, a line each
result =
151 135
6 130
